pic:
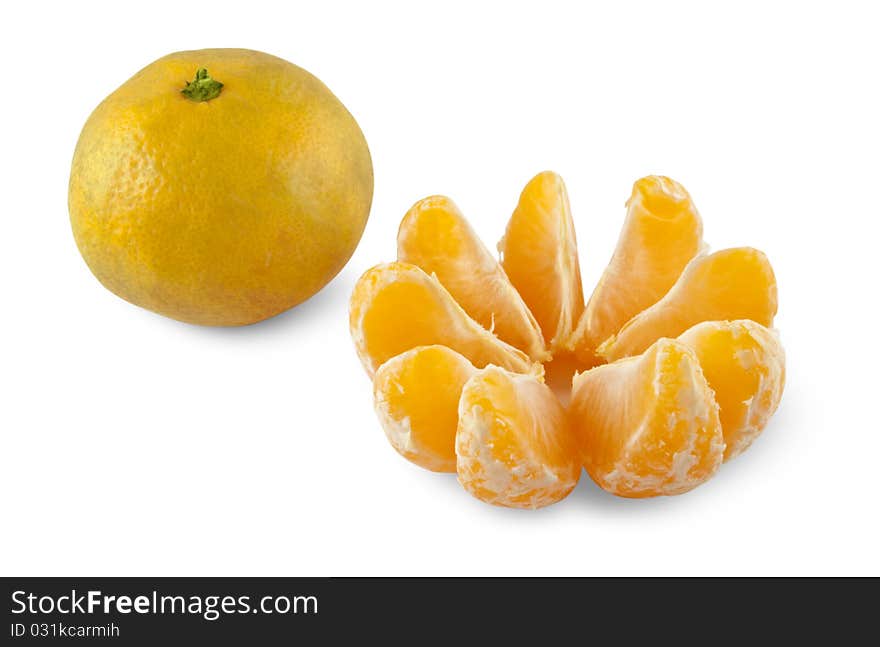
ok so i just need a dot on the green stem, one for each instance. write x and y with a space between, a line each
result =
202 88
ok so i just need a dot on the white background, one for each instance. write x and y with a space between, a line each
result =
133 444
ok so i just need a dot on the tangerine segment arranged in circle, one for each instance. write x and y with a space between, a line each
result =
435 236
479 367
416 397
396 307
514 446
735 283
661 234
744 364
539 254
648 425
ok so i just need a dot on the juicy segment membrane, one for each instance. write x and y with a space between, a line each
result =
735 283
744 363
435 236
514 447
648 425
396 307
662 232
416 397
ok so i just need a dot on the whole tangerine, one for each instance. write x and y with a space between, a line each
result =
224 199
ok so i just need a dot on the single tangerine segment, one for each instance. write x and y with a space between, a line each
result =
648 425
514 445
662 232
396 307
416 398
539 254
435 236
744 364
735 283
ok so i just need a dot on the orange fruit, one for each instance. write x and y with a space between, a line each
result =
648 425
744 364
661 234
222 200
416 398
513 444
435 236
539 254
733 283
396 307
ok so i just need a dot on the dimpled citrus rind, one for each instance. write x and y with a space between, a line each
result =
222 212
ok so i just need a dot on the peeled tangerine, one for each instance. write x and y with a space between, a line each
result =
648 425
458 344
513 443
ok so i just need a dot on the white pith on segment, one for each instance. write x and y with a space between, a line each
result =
421 429
694 419
759 356
519 477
